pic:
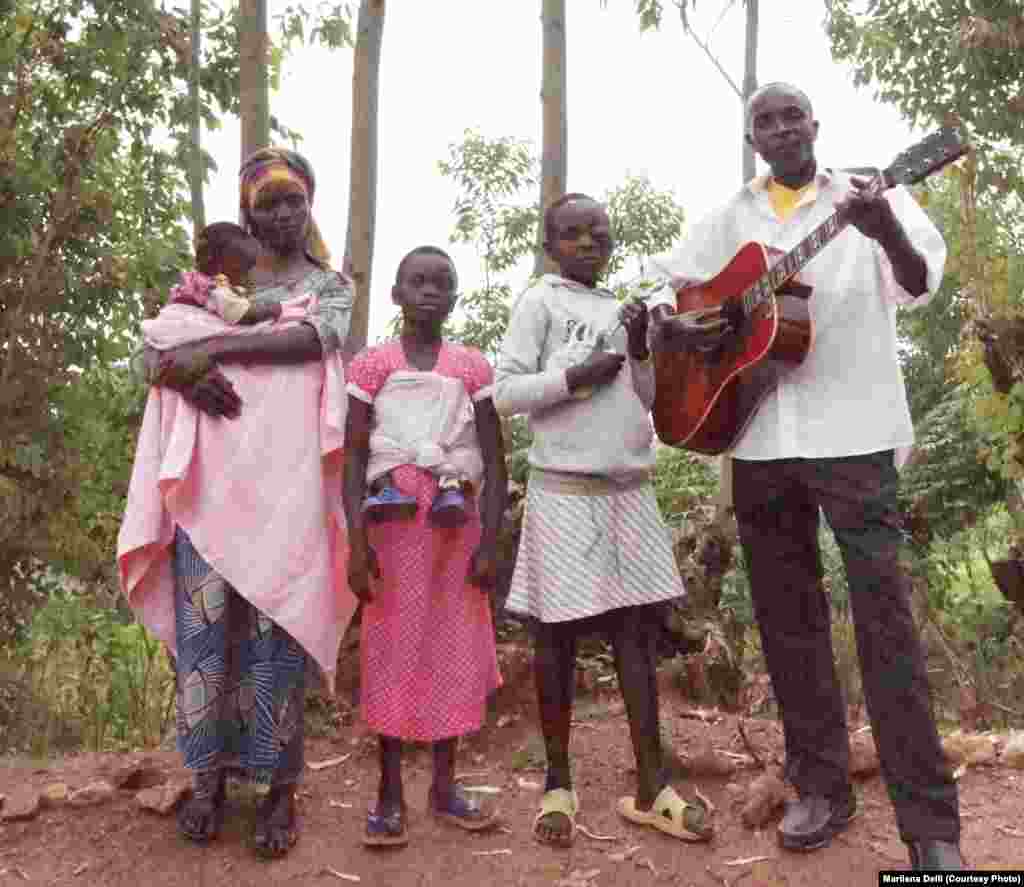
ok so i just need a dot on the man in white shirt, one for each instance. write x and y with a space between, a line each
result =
826 438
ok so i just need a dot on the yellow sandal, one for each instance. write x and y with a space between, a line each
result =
672 815
558 800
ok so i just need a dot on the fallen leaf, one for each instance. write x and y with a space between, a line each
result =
82 868
344 876
646 863
330 762
705 799
594 837
748 860
342 804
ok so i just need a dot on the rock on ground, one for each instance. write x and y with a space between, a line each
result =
766 797
163 799
23 803
1013 753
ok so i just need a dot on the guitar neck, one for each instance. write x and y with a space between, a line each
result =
794 261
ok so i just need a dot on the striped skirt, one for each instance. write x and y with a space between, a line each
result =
590 545
241 679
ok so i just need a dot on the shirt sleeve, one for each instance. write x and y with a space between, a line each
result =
366 375
698 257
479 378
333 313
924 237
521 384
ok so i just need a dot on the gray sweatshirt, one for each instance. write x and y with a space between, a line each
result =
555 325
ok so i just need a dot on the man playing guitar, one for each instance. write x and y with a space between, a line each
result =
825 437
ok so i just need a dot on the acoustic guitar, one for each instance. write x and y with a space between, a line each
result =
706 396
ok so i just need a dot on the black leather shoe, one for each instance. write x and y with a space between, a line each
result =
811 821
935 856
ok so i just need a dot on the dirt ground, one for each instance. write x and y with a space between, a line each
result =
119 845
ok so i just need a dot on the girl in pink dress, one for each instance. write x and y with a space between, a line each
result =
428 654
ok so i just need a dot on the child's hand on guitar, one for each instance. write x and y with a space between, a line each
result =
598 369
869 212
634 318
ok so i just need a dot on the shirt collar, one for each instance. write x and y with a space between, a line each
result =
759 184
555 280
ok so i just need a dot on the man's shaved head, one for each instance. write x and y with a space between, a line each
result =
774 86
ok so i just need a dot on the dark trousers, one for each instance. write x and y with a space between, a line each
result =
777 505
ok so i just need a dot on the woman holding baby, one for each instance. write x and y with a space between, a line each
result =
243 431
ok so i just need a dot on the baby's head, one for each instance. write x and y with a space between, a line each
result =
226 248
577 235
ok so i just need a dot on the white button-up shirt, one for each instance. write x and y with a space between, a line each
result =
848 396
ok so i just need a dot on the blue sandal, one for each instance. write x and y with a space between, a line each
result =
449 508
385 830
389 504
463 811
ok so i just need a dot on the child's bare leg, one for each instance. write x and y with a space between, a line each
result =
444 772
447 799
390 798
634 639
554 667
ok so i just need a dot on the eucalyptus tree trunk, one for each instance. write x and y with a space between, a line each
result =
749 85
553 110
362 205
196 171
253 77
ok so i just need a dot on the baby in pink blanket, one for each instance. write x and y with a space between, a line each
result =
225 254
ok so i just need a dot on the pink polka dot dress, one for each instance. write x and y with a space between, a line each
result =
428 655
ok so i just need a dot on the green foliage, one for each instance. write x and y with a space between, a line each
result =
913 52
90 210
645 221
683 481
92 677
329 25
949 485
497 212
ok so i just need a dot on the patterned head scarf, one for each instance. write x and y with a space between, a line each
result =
269 166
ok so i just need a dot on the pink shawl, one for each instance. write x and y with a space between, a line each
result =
259 496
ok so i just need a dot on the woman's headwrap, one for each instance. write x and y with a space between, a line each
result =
269 166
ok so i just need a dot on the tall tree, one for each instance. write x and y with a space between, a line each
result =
362 207
554 156
939 65
254 75
196 162
749 82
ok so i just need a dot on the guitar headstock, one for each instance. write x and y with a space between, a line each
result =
929 155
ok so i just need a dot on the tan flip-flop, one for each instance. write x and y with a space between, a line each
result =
558 800
672 815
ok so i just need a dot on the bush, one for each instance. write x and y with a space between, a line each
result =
89 676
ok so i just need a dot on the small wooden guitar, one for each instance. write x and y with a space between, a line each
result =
707 396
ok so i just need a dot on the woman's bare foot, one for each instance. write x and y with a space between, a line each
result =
276 829
201 817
